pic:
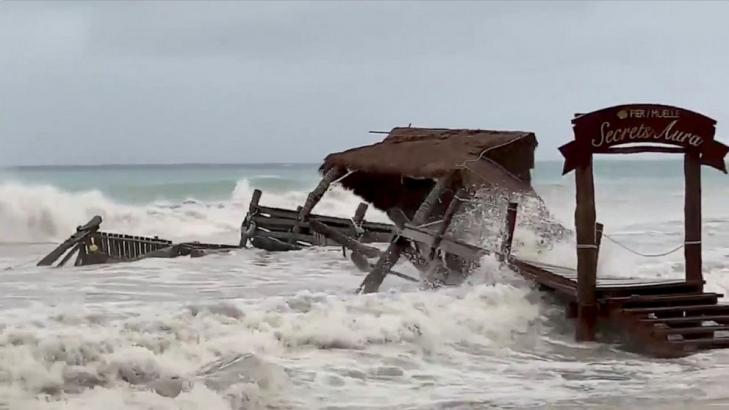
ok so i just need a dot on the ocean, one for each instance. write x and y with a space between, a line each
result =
258 330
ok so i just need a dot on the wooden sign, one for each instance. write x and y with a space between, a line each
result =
600 130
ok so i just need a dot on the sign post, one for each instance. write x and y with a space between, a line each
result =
627 129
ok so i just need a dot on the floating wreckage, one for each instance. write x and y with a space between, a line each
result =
91 246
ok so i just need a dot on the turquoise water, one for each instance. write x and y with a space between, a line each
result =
138 184
145 183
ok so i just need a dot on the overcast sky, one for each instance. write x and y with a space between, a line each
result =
169 82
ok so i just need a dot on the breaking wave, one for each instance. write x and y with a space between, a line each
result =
243 355
40 213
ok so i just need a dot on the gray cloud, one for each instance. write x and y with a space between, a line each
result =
110 82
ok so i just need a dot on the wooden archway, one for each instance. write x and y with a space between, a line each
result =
636 128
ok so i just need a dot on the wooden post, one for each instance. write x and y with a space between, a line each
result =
450 212
359 215
388 259
586 254
692 218
315 196
82 232
598 241
245 229
507 237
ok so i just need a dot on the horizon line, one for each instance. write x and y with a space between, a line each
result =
235 164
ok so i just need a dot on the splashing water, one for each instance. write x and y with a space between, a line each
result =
254 330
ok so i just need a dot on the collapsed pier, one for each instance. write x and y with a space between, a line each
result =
423 178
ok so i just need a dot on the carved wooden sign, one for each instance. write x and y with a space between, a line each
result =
600 130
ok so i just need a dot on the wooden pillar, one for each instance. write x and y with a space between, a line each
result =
314 197
586 254
247 229
359 215
507 236
388 259
450 212
692 218
598 241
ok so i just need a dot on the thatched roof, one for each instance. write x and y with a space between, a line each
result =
399 170
425 152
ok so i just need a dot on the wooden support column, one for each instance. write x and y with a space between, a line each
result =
246 229
388 259
315 196
359 215
586 254
692 218
450 212
507 237
598 241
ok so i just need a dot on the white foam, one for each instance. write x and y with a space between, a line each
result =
39 213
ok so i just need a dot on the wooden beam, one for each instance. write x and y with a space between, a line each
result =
315 196
644 148
81 233
586 254
598 241
71 253
344 240
450 212
388 259
692 218
507 236
398 217
359 215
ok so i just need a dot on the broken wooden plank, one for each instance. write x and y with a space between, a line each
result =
81 233
388 259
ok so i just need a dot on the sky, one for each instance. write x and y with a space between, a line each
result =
113 82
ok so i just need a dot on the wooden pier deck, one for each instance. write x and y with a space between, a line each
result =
660 317
657 317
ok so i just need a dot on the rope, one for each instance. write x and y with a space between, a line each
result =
342 177
650 255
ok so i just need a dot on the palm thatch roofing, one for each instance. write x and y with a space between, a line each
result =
400 170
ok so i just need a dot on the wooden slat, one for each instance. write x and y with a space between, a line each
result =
703 343
71 253
688 319
286 235
677 309
669 298
691 330
329 220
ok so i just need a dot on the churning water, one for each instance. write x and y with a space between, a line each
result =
252 330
